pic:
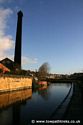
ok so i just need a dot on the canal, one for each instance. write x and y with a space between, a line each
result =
19 108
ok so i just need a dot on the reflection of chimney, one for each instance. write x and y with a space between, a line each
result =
17 56
16 109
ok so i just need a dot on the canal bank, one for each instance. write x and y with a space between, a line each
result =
75 107
12 83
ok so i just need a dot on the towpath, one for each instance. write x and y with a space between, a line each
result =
75 108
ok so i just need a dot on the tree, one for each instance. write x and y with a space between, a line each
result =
43 71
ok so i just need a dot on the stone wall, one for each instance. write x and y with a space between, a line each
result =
14 83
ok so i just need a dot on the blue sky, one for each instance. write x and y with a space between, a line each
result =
52 32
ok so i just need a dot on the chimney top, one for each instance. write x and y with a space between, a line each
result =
20 13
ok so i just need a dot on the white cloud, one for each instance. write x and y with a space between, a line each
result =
4 14
28 60
6 41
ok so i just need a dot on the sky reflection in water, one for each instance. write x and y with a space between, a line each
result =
39 105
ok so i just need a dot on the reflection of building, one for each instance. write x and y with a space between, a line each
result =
43 92
7 99
12 115
16 111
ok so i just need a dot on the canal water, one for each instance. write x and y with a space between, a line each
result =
19 108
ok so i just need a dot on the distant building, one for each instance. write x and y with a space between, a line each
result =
8 63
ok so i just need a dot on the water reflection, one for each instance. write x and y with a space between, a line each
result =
44 102
11 115
43 92
16 110
7 99
25 106
6 117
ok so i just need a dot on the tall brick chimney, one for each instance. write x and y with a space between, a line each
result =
17 56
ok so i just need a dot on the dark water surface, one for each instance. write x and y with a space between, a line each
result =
18 108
